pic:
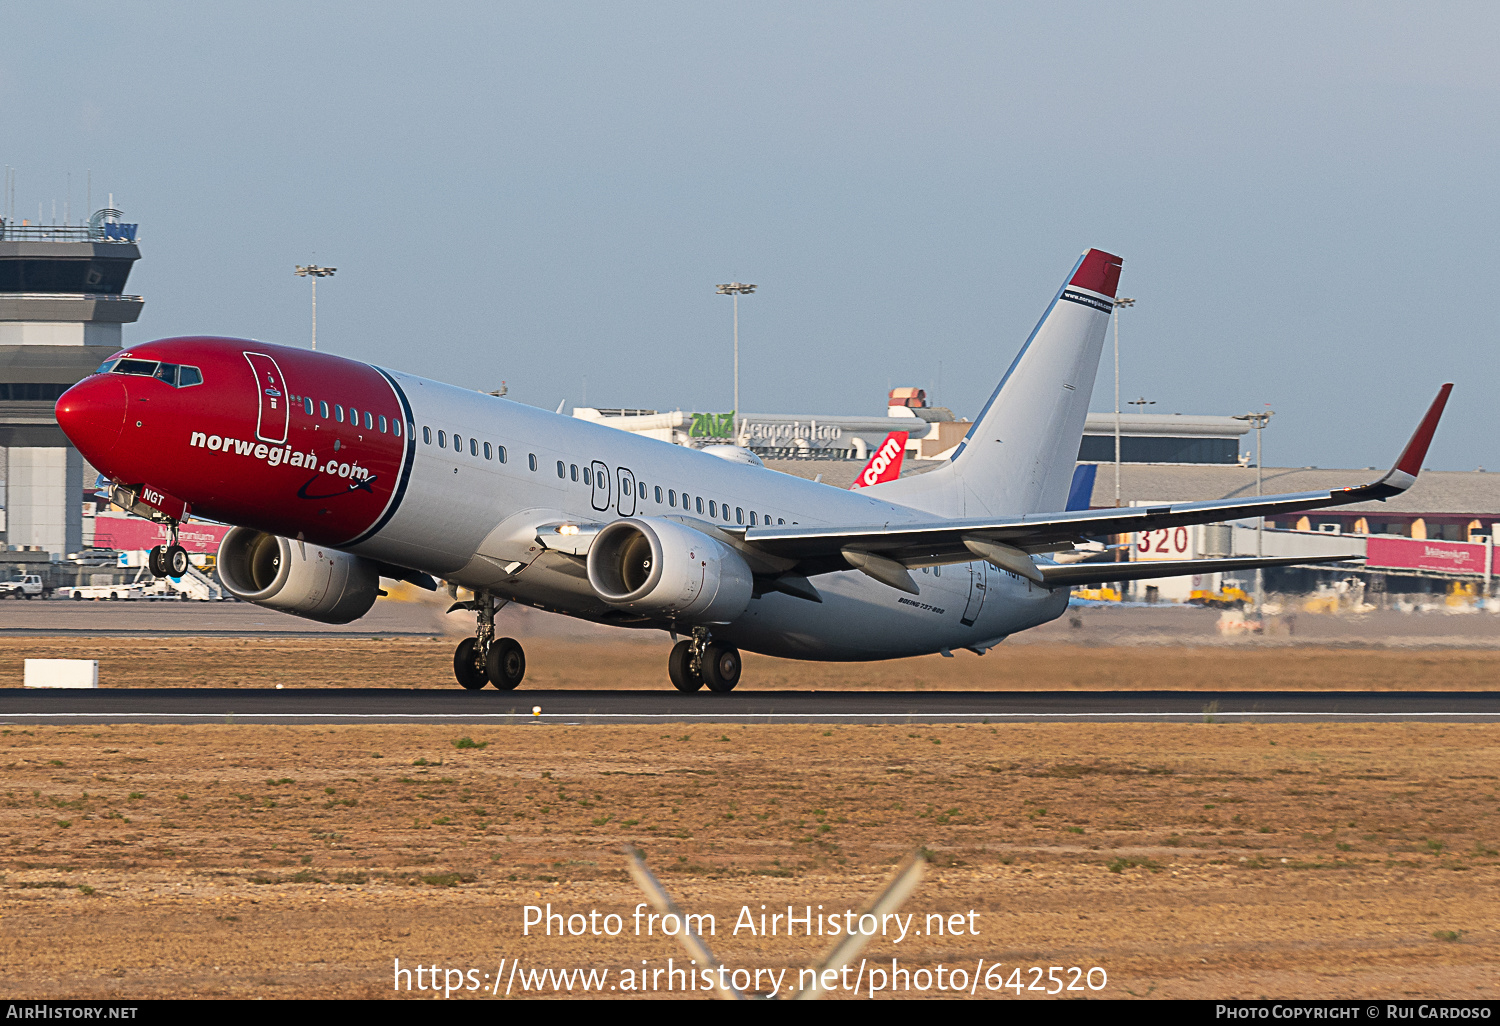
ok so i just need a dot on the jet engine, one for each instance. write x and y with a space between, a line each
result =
666 569
297 577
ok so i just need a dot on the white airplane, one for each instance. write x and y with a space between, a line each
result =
338 473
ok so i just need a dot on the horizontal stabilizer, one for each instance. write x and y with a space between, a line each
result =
1097 573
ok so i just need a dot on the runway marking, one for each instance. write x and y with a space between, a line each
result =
529 717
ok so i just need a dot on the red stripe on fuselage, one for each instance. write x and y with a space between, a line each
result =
330 481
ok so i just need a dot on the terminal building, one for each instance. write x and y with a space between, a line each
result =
933 432
62 308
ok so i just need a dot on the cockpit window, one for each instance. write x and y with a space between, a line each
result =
106 366
173 374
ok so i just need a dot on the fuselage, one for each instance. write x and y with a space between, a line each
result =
454 483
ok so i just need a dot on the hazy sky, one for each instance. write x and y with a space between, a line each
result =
548 193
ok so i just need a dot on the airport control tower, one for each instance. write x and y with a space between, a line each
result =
62 303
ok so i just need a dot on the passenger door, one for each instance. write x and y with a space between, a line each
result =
601 486
271 388
627 493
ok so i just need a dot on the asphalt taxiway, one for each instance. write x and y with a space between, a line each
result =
490 707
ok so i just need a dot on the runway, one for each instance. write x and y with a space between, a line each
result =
490 707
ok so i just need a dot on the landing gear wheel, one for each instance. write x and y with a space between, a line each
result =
721 666
176 561
156 561
465 668
680 668
506 664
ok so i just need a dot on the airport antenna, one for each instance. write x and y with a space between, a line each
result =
736 289
314 272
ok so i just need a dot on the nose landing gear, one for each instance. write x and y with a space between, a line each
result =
168 560
699 661
484 658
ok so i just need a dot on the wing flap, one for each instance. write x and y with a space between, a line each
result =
1073 574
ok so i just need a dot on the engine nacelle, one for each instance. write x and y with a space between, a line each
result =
666 569
297 577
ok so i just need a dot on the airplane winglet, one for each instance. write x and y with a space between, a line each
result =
1404 474
1416 449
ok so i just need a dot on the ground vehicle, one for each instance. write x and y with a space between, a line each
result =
341 473
23 586
1229 595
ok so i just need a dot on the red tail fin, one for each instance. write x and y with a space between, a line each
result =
885 464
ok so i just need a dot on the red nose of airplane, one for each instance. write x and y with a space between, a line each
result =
91 414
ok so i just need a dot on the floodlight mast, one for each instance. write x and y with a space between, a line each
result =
736 289
314 272
1120 304
1258 420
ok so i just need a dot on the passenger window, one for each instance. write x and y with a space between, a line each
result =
725 508
324 408
739 515
458 444
643 491
474 447
502 454
562 471
573 471
752 518
588 476
442 439
353 417
658 495
713 508
338 413
488 452
307 404
189 376
382 423
531 460
937 571
672 497
780 521
427 436
370 421
700 504
396 427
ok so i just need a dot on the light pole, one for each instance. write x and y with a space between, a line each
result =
314 272
1258 421
736 289
1119 304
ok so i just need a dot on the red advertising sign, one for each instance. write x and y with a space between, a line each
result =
1422 554
127 533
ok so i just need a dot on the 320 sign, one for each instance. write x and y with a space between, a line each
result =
1163 543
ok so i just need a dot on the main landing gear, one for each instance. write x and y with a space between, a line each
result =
168 560
484 658
699 661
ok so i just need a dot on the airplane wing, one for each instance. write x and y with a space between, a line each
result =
886 551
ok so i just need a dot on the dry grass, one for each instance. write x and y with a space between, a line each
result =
1203 860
